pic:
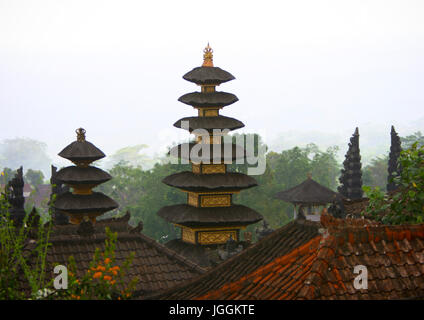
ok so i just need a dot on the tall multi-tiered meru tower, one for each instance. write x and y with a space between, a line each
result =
209 218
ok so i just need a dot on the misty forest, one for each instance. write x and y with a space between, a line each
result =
137 186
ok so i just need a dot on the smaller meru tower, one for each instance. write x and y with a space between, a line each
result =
82 203
209 217
394 167
351 174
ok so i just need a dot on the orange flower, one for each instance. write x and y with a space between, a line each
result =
112 282
114 272
115 268
108 278
78 297
97 275
107 260
101 268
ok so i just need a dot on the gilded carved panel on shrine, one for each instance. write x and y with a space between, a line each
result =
213 168
188 235
216 237
215 200
193 199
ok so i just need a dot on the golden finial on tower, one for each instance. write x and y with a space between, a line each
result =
80 134
207 57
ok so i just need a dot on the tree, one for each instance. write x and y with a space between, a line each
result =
6 175
143 193
407 204
408 141
24 152
34 177
375 173
132 156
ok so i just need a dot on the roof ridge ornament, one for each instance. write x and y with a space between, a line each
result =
207 56
80 134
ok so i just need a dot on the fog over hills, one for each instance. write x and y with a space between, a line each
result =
306 71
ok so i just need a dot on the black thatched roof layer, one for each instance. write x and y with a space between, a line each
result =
203 255
81 150
231 181
210 123
212 99
80 175
184 151
75 203
156 266
308 192
187 215
208 75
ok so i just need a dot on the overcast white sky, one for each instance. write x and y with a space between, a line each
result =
115 67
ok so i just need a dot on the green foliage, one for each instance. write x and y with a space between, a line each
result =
407 204
408 141
34 177
23 252
6 175
143 193
104 280
375 174
132 156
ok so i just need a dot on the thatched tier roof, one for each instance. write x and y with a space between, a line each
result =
211 99
208 75
230 181
184 214
81 150
81 175
308 192
210 123
212 152
74 203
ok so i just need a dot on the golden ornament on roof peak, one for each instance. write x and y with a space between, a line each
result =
207 57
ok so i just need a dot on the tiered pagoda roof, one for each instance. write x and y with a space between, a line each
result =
209 217
82 202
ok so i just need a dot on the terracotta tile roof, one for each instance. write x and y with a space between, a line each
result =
282 241
322 268
156 266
